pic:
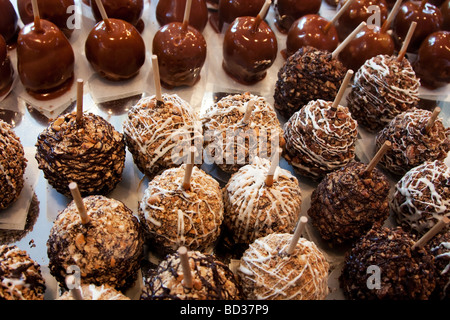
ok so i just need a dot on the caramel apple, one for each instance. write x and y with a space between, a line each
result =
358 12
228 10
8 21
115 49
55 11
311 30
433 60
173 11
287 11
181 51
45 60
445 10
428 17
128 10
6 69
249 49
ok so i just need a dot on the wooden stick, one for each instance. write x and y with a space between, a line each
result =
79 202
187 273
297 234
432 119
409 35
187 12
76 292
156 78
384 148
188 171
80 85
342 89
262 13
102 10
275 161
391 16
37 18
442 223
338 14
248 111
349 38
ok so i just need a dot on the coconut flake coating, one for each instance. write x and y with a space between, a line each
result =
348 202
96 292
439 247
382 88
173 216
12 165
223 121
20 276
422 197
267 272
308 74
320 138
253 209
91 153
411 145
108 249
405 274
212 280
157 133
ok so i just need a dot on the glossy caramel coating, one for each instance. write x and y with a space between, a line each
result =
287 11
368 43
228 10
429 19
8 21
117 52
309 30
433 60
173 11
248 51
56 11
181 54
356 13
128 10
45 60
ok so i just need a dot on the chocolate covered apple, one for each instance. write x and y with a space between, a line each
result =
428 17
56 11
128 10
228 10
357 12
311 30
6 68
45 60
173 11
433 60
115 49
249 48
8 21
287 11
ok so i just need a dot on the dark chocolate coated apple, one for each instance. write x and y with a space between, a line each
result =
433 60
287 11
428 17
311 30
8 21
367 43
358 12
248 51
45 60
115 50
56 11
228 10
6 68
181 51
128 10
445 10
173 11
